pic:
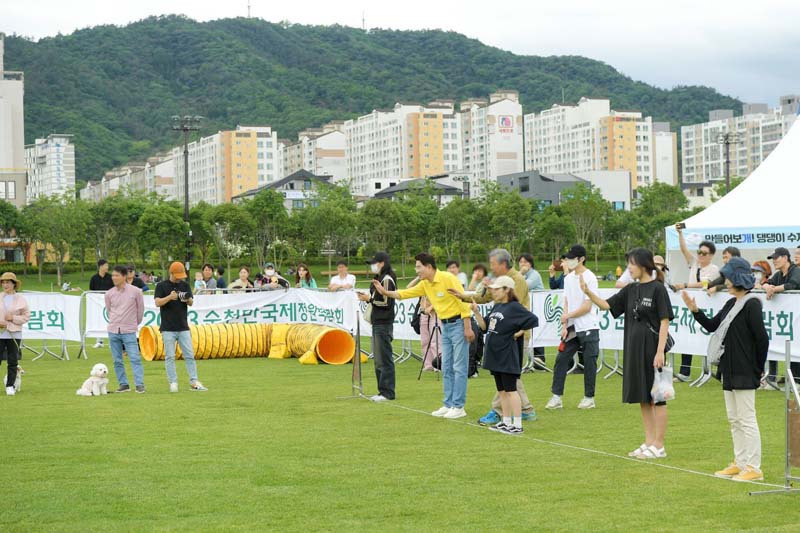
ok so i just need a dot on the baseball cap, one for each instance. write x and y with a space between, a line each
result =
380 257
502 281
269 265
176 269
779 251
576 251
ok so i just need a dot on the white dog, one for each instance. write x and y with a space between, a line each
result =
97 383
18 381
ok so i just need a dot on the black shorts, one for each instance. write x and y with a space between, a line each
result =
505 382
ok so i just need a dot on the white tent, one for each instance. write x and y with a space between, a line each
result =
763 212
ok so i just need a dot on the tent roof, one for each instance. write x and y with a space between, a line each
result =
777 178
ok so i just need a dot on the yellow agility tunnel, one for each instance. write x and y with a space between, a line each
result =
309 342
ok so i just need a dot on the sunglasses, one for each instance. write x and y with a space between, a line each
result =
702 252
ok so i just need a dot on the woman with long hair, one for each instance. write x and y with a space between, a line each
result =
303 278
243 282
648 312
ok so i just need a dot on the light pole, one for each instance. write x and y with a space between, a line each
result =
726 140
186 124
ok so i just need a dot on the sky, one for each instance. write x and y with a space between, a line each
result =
747 50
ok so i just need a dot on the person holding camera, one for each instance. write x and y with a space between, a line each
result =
173 297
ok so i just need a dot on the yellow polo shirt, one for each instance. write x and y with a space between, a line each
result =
445 304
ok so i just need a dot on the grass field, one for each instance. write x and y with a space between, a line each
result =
270 447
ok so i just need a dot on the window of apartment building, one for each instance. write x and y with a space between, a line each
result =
297 204
377 185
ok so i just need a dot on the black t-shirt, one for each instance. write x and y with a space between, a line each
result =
174 313
644 305
501 352
138 283
98 283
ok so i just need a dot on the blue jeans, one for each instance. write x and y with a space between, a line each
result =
184 338
455 363
127 341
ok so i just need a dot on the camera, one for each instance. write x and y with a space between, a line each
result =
183 296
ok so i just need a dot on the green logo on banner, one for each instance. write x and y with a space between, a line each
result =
552 311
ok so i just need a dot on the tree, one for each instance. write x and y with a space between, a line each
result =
658 206
554 231
79 241
379 222
270 218
506 218
455 227
587 208
162 230
332 223
232 229
202 235
720 189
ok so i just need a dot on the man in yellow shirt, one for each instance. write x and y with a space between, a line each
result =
456 329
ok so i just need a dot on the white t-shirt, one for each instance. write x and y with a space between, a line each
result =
349 279
463 279
711 272
575 298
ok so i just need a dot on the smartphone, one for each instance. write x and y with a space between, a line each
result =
681 225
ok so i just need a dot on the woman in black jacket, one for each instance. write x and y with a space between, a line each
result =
741 366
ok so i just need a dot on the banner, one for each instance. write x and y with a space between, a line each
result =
743 238
781 317
335 309
53 317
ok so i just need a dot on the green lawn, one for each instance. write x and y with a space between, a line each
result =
270 447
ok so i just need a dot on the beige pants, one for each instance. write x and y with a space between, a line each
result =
741 408
527 407
429 337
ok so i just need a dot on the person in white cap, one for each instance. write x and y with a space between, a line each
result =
506 321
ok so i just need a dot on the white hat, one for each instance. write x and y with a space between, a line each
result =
502 281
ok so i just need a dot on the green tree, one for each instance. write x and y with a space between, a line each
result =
202 234
720 189
270 218
587 208
506 219
379 221
232 229
554 231
658 206
57 217
456 227
162 230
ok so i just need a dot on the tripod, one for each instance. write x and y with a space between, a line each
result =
434 336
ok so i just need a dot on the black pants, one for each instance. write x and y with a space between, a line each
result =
382 336
588 343
773 370
686 364
9 350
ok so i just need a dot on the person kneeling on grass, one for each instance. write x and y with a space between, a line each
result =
745 345
506 321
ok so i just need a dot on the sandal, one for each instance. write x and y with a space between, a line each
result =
638 451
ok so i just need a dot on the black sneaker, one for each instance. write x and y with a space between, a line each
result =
140 389
511 430
123 388
500 426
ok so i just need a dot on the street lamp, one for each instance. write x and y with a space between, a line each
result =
186 124
726 140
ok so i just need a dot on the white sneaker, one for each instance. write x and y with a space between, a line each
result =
455 412
173 387
652 453
10 391
378 398
638 451
440 412
99 343
554 403
586 403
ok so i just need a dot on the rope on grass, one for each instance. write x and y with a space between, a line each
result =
591 450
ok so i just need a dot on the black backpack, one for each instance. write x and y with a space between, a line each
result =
415 318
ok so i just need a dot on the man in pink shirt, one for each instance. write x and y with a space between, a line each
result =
125 307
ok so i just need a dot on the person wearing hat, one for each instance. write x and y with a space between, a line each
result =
382 325
272 279
785 278
718 284
173 297
741 365
14 313
580 330
506 322
648 312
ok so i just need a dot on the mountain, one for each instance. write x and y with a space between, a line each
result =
115 88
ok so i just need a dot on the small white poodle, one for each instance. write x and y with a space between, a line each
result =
97 383
18 381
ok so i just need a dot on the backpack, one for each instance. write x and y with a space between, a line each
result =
716 346
415 318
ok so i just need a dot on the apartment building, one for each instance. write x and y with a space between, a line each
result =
50 165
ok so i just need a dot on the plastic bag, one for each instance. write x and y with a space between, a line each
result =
662 390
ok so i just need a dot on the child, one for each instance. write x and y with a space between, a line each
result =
506 321
199 284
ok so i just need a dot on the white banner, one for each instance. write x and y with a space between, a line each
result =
54 316
335 309
781 318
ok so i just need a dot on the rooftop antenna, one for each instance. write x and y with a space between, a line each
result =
248 8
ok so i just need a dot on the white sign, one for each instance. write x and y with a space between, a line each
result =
335 309
54 316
